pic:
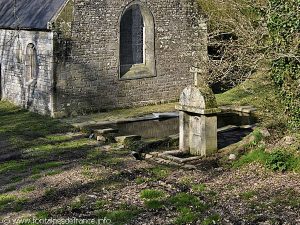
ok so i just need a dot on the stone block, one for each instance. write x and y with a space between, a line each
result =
106 131
101 138
126 140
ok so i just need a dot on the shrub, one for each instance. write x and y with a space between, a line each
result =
279 161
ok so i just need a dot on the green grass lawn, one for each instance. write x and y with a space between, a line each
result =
24 128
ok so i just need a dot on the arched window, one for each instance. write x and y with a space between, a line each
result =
132 37
137 42
31 63
19 52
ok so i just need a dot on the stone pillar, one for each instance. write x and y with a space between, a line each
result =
184 123
198 122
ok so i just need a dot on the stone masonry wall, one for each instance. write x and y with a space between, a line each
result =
87 55
15 87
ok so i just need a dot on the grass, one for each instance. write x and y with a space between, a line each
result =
46 166
50 193
13 202
257 155
277 160
49 150
247 195
77 203
28 189
5 200
13 166
160 172
42 215
26 126
186 216
151 194
154 204
118 217
211 220
186 180
53 172
183 200
231 15
19 204
288 197
260 92
99 204
141 180
44 148
199 188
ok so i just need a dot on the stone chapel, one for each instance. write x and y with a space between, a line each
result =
71 57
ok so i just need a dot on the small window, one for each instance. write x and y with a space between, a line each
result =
19 52
31 63
137 43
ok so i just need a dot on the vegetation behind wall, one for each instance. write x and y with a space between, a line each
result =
284 27
237 39
246 36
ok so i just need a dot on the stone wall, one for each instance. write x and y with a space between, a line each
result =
16 68
87 55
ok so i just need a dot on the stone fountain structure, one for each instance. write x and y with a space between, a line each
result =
198 118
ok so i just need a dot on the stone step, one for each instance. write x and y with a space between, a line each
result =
125 140
105 131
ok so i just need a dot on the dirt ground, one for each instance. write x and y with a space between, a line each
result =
75 177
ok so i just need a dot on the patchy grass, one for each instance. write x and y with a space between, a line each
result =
199 188
186 216
77 203
257 155
42 215
13 166
160 172
277 160
53 172
211 220
186 180
151 194
8 201
154 204
26 126
50 193
118 217
5 200
247 195
141 180
99 204
260 92
28 189
19 204
46 166
289 197
186 200
46 154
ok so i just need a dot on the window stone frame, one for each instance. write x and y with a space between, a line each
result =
148 68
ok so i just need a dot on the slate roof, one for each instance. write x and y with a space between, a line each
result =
30 14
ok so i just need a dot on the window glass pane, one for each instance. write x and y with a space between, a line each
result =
132 37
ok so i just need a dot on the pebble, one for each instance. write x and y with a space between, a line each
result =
232 157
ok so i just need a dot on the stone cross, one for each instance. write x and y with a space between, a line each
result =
197 75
